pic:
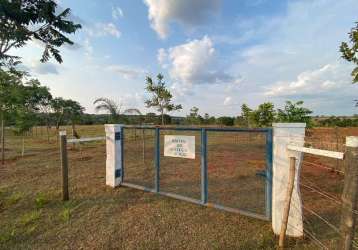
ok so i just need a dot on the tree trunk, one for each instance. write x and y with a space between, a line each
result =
2 138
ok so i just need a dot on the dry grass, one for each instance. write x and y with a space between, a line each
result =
98 217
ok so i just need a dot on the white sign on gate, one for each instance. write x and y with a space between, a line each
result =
179 146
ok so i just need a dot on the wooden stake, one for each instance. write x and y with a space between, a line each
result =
64 165
350 193
286 211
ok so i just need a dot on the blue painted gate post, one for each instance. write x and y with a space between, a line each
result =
114 154
204 167
269 153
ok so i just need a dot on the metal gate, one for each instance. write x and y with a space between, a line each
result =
229 169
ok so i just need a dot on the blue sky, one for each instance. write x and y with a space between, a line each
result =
214 54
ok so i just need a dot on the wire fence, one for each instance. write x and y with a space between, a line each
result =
235 162
321 184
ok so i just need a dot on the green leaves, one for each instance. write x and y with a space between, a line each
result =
23 20
161 98
21 100
350 53
293 112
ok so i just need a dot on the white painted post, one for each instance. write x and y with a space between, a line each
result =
114 170
284 134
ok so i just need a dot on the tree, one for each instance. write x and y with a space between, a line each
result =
25 20
350 53
45 109
151 118
68 110
293 112
246 114
264 115
194 117
73 111
20 100
110 106
161 98
114 109
226 121
9 99
57 105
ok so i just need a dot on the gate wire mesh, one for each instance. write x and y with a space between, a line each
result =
180 175
235 162
139 156
236 165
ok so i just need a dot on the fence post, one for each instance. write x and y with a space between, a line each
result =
283 135
64 165
157 160
114 154
204 167
350 192
286 211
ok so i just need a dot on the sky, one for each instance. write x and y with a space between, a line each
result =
214 54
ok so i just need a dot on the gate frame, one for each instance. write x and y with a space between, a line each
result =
115 138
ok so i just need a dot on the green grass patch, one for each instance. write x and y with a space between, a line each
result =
30 217
7 235
65 214
14 198
41 200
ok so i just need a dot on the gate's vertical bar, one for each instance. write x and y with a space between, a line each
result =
204 167
157 159
269 153
122 154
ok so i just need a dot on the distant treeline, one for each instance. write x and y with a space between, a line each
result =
153 119
336 121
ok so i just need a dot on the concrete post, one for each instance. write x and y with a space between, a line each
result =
284 134
114 164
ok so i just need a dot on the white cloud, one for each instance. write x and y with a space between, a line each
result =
162 57
315 82
228 100
126 71
194 62
43 68
117 13
88 48
186 12
103 29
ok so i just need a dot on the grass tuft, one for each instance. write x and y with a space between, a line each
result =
7 235
65 214
30 217
41 200
14 198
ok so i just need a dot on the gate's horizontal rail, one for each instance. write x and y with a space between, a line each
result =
101 138
198 202
199 129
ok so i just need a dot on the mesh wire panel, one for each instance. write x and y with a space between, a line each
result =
235 160
180 175
139 156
